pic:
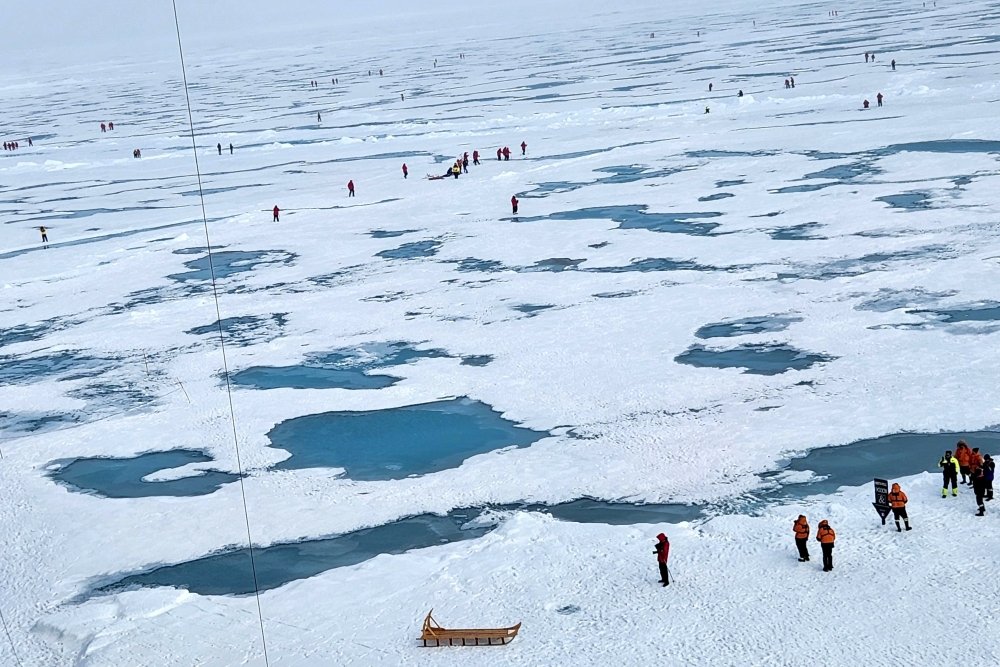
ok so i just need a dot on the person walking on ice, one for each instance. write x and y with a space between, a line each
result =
275 211
878 99
524 147
801 530
45 236
475 157
406 172
662 554
893 64
513 205
319 118
897 501
350 188
826 537
949 471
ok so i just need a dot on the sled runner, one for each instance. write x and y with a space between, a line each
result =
432 632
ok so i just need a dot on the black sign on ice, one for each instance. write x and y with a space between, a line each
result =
882 498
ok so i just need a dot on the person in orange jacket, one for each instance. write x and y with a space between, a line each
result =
801 530
975 461
897 501
963 454
826 537
662 554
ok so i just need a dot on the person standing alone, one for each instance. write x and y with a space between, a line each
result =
897 501
406 172
524 147
513 204
801 530
45 237
350 188
949 471
275 211
826 537
662 554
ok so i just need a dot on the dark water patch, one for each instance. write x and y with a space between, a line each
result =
746 325
477 360
226 263
602 244
846 172
908 201
216 191
877 261
550 187
941 146
414 250
390 233
960 181
753 358
24 333
616 295
648 264
812 187
634 173
397 442
245 329
124 477
717 196
469 264
886 300
65 365
719 153
729 184
19 424
530 309
553 264
803 232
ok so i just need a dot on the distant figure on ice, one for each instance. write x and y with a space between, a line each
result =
866 104
739 94
380 72
652 35
801 529
791 80
979 488
662 554
826 537
893 63
963 454
989 468
524 147
710 87
45 237
350 188
465 163
29 142
319 118
878 99
949 471
873 56
401 98
111 126
787 84
513 204
506 153
897 501
406 172
499 154
456 169
219 148
475 157
866 56
275 211
707 109
230 149
104 128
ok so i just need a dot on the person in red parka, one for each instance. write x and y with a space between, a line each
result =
475 157
513 204
662 554
405 171
524 147
350 188
499 154
276 211
963 454
506 153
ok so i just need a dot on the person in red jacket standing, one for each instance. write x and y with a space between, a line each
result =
524 147
405 171
506 153
499 154
662 554
475 157
350 188
513 204
276 211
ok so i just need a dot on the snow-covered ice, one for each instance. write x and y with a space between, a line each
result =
684 301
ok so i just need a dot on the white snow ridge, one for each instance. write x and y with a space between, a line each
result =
710 314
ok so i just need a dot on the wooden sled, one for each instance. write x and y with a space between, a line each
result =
432 632
431 177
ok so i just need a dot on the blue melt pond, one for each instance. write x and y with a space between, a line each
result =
747 325
67 365
754 358
909 201
636 217
983 314
229 262
397 442
340 369
413 250
123 477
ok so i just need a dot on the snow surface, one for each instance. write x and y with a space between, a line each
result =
588 89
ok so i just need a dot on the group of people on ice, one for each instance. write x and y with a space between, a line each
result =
14 145
976 470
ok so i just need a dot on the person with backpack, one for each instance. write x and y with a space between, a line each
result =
963 454
949 469
826 537
979 487
897 501
801 529
662 554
